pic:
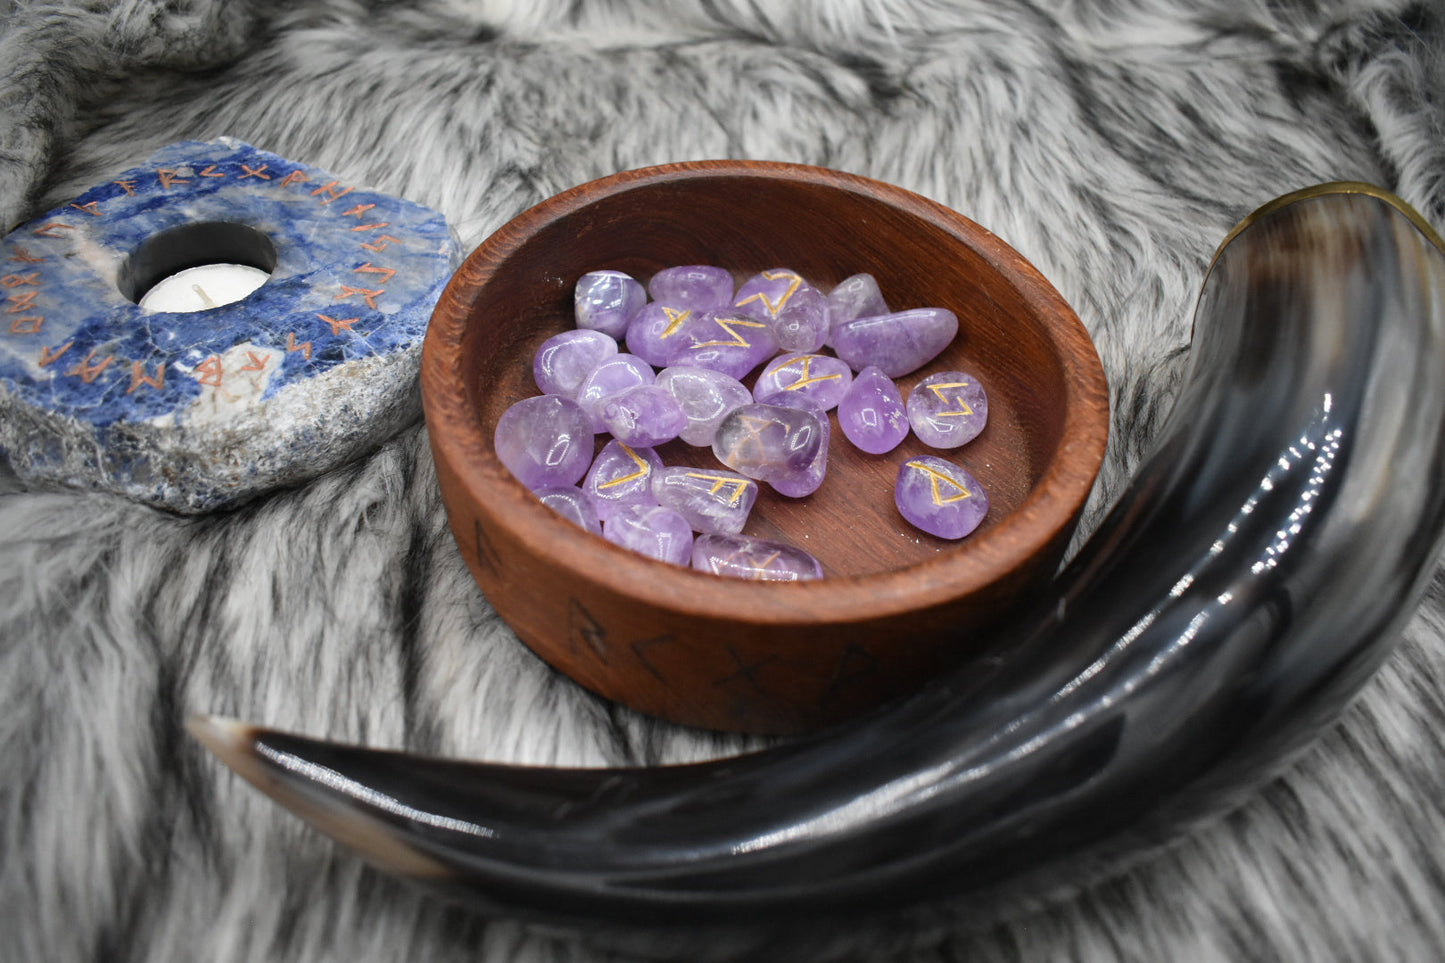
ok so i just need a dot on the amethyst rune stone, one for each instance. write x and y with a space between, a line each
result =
606 300
706 397
716 502
939 497
855 297
731 341
728 341
571 503
807 481
820 378
871 414
697 286
897 343
948 409
565 359
655 332
607 379
652 530
545 441
620 478
771 443
797 311
643 415
742 556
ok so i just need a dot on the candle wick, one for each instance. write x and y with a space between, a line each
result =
204 297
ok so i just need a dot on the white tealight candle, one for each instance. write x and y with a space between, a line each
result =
203 287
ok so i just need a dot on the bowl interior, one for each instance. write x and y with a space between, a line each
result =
1010 326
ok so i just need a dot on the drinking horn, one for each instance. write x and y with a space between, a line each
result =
1257 570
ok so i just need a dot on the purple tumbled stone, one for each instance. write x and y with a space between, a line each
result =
757 559
643 415
731 341
572 504
652 530
770 442
797 311
820 378
606 300
939 497
706 397
565 359
655 333
620 478
871 414
807 481
897 343
545 441
713 501
697 286
948 409
854 297
611 376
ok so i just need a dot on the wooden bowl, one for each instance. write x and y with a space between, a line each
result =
896 604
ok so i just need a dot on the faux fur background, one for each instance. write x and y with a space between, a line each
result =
1114 143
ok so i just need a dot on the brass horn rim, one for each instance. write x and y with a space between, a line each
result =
1331 188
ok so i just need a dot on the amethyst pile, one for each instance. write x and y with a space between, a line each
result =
706 337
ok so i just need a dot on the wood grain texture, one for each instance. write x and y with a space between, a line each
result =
897 603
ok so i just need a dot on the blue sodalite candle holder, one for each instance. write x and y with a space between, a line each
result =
202 410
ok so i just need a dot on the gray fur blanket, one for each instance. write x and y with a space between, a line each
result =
1114 143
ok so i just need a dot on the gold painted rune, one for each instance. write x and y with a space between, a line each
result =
88 370
304 347
934 477
367 268
675 318
752 565
48 356
963 408
729 325
756 426
338 325
329 189
775 306
806 361
642 469
719 482
367 294
24 301
213 372
753 442
379 244
139 377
